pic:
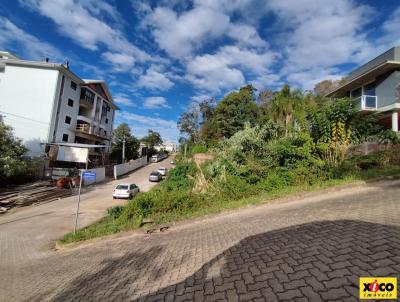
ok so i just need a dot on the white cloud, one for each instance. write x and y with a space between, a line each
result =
155 102
123 99
391 35
12 37
120 62
245 35
319 36
140 125
81 22
155 80
180 35
225 69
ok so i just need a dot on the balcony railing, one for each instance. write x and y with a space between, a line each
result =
367 102
97 132
83 128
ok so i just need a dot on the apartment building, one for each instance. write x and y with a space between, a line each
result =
47 103
376 87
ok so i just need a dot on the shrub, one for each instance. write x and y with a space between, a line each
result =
198 149
115 212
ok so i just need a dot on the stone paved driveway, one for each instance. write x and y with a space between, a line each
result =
310 249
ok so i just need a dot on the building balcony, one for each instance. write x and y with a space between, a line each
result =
90 133
85 128
367 102
87 98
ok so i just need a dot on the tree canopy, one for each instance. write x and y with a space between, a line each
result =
152 139
123 132
12 150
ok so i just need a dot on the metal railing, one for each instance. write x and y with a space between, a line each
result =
83 128
367 102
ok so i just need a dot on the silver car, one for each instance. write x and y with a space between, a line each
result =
155 176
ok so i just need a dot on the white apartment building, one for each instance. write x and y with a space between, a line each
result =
166 146
47 103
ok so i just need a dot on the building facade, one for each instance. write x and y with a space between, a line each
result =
376 87
47 103
166 146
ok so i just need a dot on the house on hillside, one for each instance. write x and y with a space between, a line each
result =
47 104
376 87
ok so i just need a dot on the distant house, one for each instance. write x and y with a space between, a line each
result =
376 87
47 103
166 146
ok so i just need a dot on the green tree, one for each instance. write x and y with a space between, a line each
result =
234 111
324 87
188 124
152 138
287 108
121 133
12 162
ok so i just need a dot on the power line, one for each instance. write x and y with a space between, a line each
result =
24 117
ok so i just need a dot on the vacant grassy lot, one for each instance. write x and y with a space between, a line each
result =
174 200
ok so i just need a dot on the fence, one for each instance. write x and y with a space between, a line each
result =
100 176
129 166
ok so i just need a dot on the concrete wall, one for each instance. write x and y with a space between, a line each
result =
29 94
386 90
100 176
129 166
65 110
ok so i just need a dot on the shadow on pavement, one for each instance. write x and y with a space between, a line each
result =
317 261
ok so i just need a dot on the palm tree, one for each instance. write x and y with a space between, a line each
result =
286 107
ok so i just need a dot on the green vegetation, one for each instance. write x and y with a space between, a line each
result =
121 133
289 143
15 168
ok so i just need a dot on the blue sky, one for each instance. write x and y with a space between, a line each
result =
160 57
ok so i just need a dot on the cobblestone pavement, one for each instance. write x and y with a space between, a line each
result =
310 249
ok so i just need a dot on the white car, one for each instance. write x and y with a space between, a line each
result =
125 191
163 171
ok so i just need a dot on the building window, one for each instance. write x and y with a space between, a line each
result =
67 119
70 103
65 137
73 85
106 120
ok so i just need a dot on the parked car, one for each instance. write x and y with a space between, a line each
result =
158 157
155 176
163 171
125 191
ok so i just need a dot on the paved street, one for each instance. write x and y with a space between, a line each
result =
306 249
30 232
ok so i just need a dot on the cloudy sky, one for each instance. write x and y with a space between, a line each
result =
160 56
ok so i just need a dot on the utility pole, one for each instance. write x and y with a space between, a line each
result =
79 192
185 150
123 150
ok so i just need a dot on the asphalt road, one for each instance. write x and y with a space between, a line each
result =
30 232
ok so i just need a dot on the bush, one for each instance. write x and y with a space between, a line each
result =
115 212
198 149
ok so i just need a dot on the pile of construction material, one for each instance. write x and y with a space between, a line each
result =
29 194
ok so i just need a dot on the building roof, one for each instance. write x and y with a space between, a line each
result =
8 55
105 88
385 62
